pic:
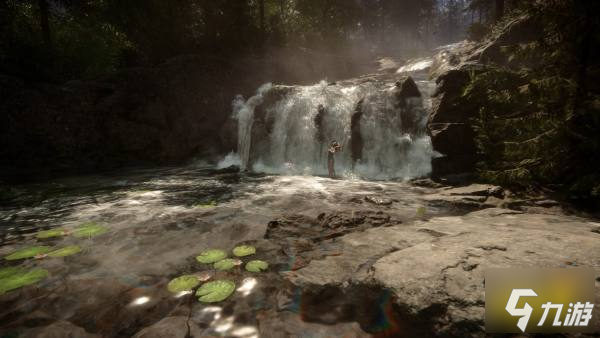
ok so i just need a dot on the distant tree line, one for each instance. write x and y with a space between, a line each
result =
59 40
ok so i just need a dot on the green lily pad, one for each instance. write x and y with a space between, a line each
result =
28 252
257 266
215 291
21 279
209 204
66 251
244 250
227 264
50 233
90 229
183 283
211 256
9 271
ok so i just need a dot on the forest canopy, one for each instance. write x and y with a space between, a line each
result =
58 40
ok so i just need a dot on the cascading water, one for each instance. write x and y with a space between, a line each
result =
244 113
285 136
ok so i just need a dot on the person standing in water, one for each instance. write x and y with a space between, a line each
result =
334 147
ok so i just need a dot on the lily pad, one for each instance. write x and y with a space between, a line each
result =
244 250
66 251
28 252
211 256
227 264
51 233
90 229
21 279
208 204
421 211
9 271
183 283
215 291
257 266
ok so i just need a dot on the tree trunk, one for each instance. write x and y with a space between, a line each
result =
499 12
44 21
261 7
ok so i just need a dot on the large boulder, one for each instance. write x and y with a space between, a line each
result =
450 126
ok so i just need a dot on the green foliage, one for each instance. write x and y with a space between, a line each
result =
183 283
244 250
539 116
227 264
257 266
59 232
15 279
90 229
215 291
28 253
211 256
66 251
477 31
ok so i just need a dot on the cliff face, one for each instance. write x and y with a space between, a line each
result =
450 123
162 114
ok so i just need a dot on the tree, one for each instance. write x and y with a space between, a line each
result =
499 12
44 21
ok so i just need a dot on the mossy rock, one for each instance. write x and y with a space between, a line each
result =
227 264
244 250
257 266
59 232
183 283
215 291
211 256
90 229
66 251
20 279
28 253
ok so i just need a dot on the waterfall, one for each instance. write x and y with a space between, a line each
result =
243 112
392 141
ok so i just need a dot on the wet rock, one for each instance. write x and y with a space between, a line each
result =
406 88
59 329
229 170
287 324
476 190
325 226
435 268
176 327
378 200
426 182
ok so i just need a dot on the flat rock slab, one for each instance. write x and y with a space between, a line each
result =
435 268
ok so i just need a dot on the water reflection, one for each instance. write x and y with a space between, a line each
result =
247 285
140 301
